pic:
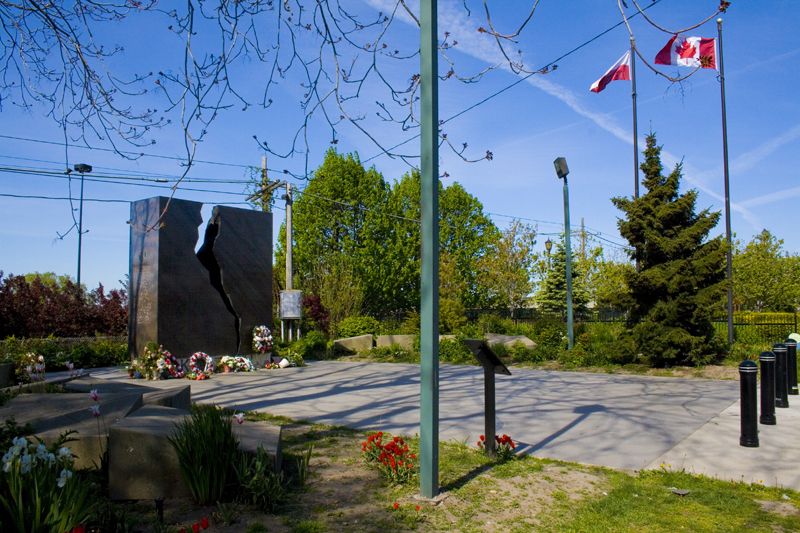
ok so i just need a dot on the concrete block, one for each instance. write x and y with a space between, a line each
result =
404 341
6 375
142 463
62 411
251 435
179 397
447 338
361 343
494 339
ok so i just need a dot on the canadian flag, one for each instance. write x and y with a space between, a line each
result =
621 70
689 52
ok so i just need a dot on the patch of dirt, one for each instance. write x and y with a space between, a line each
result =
779 508
533 494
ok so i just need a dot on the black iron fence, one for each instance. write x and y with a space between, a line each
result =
749 327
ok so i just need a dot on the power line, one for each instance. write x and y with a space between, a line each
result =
500 91
145 154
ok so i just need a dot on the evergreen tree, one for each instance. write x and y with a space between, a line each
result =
552 295
680 274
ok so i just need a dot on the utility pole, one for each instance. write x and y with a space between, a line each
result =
288 236
81 168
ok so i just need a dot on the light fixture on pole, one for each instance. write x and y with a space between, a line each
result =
562 171
81 168
548 245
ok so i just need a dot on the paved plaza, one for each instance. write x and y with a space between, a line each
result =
620 421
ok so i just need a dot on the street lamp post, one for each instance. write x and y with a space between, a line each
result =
81 168
562 170
548 245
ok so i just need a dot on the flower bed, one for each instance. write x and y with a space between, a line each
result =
394 459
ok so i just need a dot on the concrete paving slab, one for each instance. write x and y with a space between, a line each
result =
713 450
619 421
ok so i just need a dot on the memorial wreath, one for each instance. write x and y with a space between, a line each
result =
168 365
195 372
262 339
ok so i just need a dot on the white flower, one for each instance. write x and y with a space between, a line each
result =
7 466
239 417
63 477
64 452
19 443
93 395
26 463
51 458
95 409
41 451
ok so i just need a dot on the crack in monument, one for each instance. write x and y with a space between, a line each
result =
209 261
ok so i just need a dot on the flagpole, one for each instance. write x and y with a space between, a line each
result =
635 122
729 255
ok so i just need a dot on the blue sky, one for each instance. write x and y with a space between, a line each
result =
525 127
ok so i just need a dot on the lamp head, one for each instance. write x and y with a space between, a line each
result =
548 245
561 167
83 168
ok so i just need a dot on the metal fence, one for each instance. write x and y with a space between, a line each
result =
748 327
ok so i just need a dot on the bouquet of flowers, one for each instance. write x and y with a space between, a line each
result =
168 365
237 363
262 339
30 368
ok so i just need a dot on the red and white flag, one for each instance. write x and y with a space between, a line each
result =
689 52
621 70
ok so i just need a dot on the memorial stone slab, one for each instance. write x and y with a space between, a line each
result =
508 341
179 397
359 344
243 251
172 301
403 341
206 301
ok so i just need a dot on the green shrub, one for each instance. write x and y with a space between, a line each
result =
455 351
207 453
84 353
394 354
313 345
520 354
353 326
410 325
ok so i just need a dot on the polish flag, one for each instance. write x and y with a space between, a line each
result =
689 52
621 70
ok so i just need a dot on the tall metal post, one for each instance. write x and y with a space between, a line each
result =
80 232
635 122
429 282
729 255
288 236
568 249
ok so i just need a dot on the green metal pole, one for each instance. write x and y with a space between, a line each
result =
570 333
429 286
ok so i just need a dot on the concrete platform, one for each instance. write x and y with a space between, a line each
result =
714 450
251 435
178 397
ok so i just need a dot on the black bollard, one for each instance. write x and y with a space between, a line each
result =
791 361
767 360
748 371
781 376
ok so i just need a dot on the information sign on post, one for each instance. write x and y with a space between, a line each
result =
291 307
492 365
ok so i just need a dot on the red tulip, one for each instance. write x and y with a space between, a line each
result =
196 527
204 522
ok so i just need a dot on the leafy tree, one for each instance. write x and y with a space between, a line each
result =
552 294
680 272
393 235
37 305
507 270
452 314
609 285
765 278
329 218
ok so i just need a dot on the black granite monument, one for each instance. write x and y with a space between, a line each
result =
206 301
